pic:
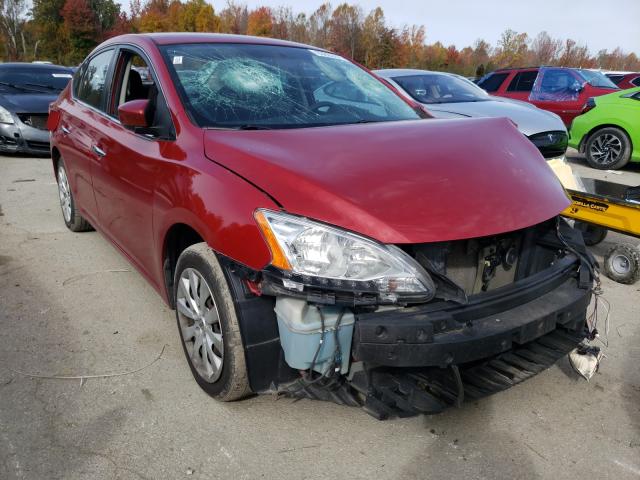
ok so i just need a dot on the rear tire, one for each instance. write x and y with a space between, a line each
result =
72 219
208 325
608 149
622 264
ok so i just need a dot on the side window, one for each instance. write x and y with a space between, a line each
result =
523 81
133 81
92 80
636 81
493 81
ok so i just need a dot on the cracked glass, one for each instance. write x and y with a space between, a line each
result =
248 86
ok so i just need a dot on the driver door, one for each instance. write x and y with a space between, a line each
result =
124 178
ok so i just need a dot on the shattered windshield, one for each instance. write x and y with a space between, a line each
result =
264 86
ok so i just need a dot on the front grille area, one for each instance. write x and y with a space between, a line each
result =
38 121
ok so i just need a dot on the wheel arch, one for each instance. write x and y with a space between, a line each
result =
177 238
55 159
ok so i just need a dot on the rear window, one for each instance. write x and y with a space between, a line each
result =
34 78
492 82
523 81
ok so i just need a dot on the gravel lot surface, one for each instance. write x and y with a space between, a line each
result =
70 304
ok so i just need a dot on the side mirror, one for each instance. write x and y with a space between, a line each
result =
133 114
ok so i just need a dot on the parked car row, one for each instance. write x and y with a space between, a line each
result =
315 235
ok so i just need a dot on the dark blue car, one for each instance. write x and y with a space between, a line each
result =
26 90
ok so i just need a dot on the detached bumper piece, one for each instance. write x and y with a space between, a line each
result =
405 392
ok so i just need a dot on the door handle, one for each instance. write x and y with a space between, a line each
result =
98 151
65 130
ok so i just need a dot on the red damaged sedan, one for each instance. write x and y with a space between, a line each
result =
315 234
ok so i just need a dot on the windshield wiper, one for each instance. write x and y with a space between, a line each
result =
251 126
14 86
39 85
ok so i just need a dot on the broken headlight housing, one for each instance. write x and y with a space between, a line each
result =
312 254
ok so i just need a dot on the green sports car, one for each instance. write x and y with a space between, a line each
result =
609 129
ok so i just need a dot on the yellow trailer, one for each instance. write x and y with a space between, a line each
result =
607 206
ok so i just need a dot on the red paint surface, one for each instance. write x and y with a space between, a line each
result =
398 182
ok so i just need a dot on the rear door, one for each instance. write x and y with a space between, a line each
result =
78 124
520 85
124 178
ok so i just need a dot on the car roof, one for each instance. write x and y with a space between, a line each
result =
171 38
406 72
34 66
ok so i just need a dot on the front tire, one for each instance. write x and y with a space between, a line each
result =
608 149
72 219
208 325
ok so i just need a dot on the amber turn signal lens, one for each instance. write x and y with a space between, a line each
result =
278 258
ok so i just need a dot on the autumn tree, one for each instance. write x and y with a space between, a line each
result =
12 28
345 29
544 49
234 18
319 25
260 22
51 39
512 49
79 23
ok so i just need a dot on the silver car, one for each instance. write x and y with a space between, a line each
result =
446 95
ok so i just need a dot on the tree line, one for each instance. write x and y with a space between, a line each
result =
64 31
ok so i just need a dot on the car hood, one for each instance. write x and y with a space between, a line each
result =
529 119
400 182
27 102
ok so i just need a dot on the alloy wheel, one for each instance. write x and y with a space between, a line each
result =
65 194
200 325
606 149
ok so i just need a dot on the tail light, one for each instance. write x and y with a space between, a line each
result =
53 119
589 105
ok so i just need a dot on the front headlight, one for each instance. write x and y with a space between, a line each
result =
340 258
5 116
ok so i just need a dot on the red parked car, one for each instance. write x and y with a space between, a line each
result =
624 80
316 236
560 90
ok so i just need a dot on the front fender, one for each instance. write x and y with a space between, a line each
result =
218 205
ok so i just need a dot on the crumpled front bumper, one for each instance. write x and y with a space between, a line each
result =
489 324
21 138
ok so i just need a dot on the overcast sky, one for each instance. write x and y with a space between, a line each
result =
598 23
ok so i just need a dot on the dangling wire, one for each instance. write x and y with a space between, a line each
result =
596 290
